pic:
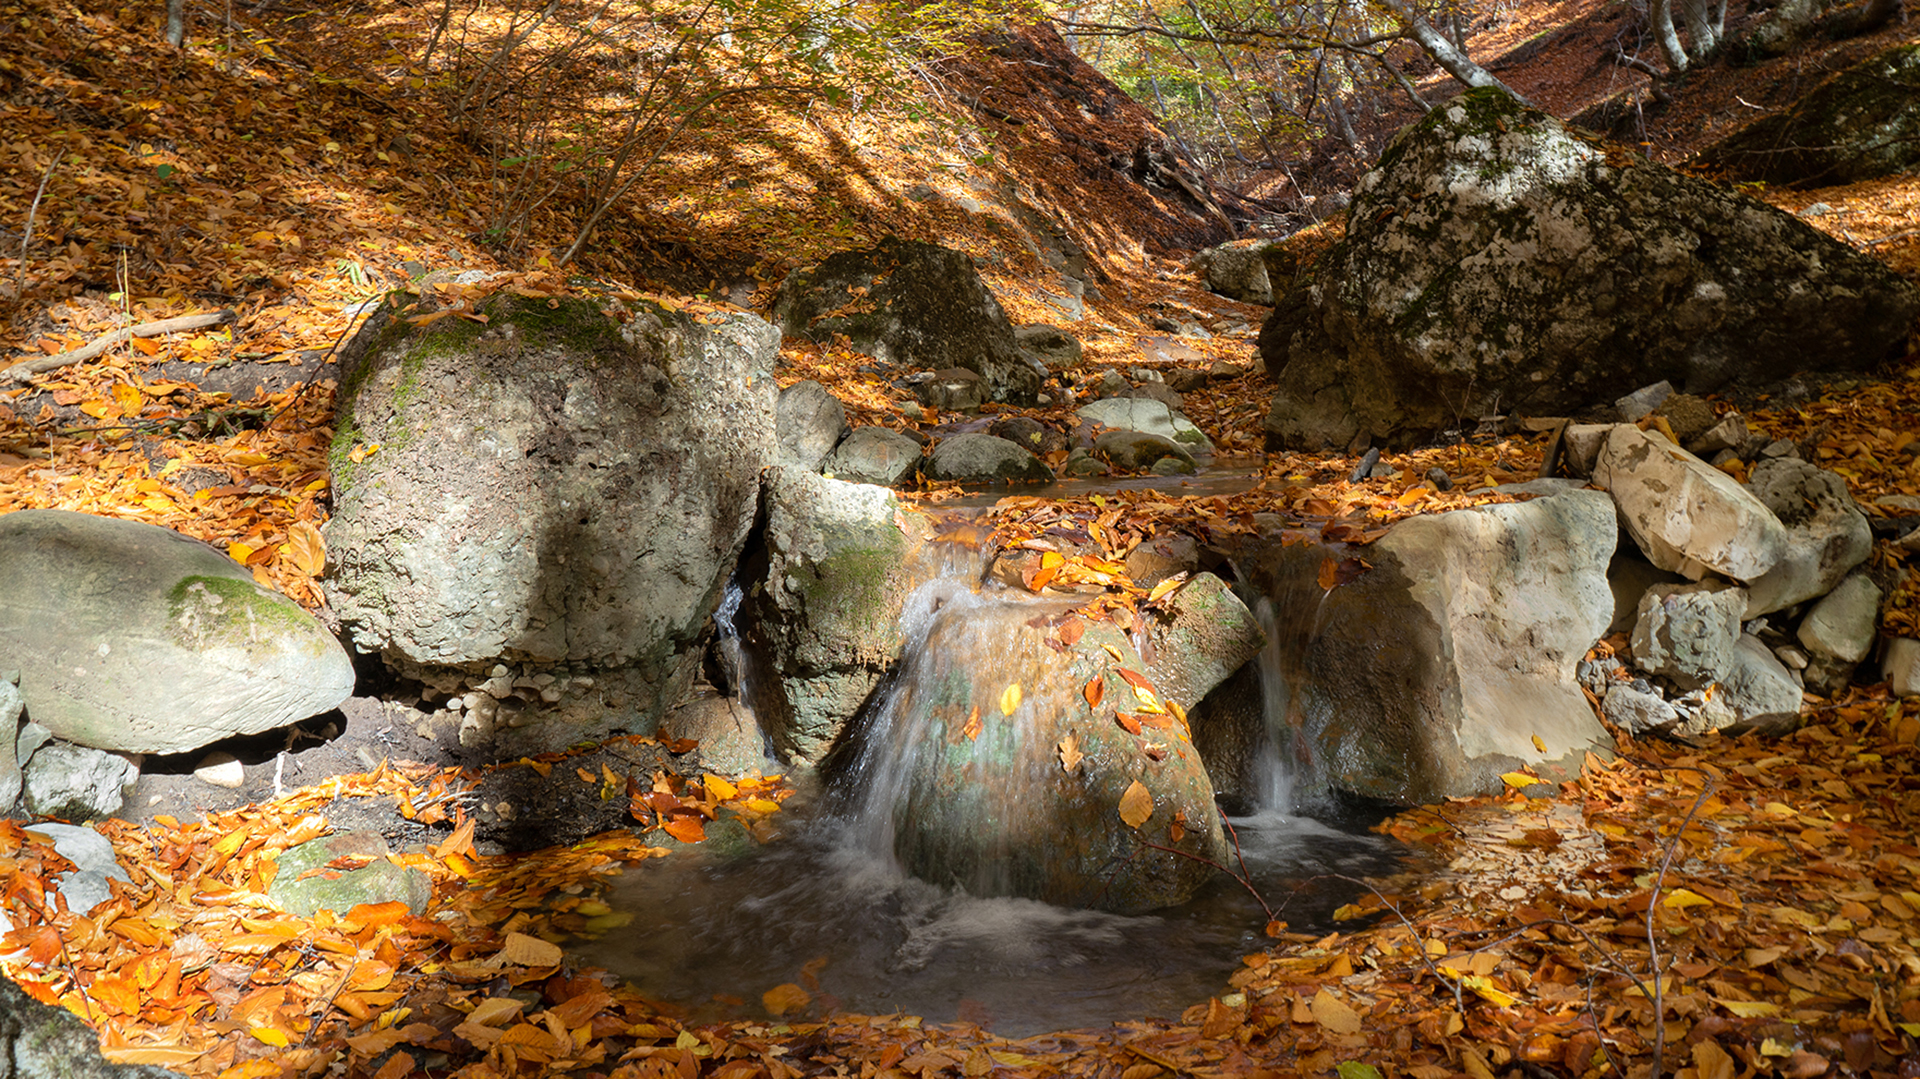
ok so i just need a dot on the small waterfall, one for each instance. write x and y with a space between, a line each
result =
1288 775
733 652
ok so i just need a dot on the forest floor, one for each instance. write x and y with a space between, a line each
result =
1730 909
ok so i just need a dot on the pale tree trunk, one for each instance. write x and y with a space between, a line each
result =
1453 61
1705 19
1668 38
176 23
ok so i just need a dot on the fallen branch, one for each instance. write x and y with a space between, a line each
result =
26 369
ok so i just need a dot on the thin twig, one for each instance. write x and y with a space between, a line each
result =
20 278
22 371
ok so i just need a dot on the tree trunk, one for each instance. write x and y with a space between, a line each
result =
1453 61
177 23
1667 37
1703 28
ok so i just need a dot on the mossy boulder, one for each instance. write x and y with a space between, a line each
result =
913 304
343 871
1861 124
567 485
134 638
1496 260
824 609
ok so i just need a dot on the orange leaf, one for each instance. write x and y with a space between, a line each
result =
375 914
307 549
686 827
782 999
1096 691
1070 631
1136 805
1128 723
1136 679
972 729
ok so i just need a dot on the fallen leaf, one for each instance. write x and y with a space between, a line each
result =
1334 1014
1095 691
971 731
1070 754
1010 699
522 950
1136 805
785 998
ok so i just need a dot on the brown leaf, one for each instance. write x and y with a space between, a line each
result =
1070 754
1333 1013
785 998
1095 691
1136 805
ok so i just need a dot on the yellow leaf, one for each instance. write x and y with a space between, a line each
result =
1010 699
131 400
1148 702
273 1036
719 789
782 999
1519 780
1539 744
306 548
1750 1009
1681 898
239 552
1136 805
163 1056
1333 1013
258 1068
522 950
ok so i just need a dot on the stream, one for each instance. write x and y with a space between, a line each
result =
828 907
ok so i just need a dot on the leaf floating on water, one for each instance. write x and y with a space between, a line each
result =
785 998
1136 805
971 731
1095 691
1009 699
1070 754
1337 572
686 827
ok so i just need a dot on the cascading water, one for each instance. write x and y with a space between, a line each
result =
830 908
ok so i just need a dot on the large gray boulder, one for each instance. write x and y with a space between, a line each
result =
1496 262
1826 534
841 559
986 768
1435 669
1685 515
1237 270
809 422
1858 125
556 488
1148 417
135 638
915 304
982 458
874 455
1202 634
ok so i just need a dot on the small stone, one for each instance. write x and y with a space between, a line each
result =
1643 401
1728 435
912 410
1635 710
1781 447
1439 478
221 769
1792 658
1841 626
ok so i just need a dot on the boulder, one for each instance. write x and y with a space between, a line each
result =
1826 534
731 742
555 489
874 455
1237 270
913 304
982 458
1148 417
1495 261
1861 124
1758 687
1636 710
1841 626
955 389
1629 576
1054 348
77 783
841 559
1137 451
1029 434
44 1041
1437 667
11 705
1685 515
1687 632
342 871
1202 634
808 423
985 768
135 638
1900 666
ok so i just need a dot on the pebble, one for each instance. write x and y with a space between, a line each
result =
221 770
